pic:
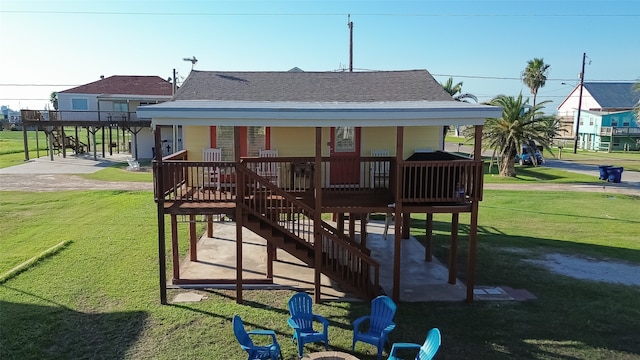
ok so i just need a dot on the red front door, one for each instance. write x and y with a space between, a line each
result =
345 156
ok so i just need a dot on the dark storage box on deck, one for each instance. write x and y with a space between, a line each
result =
432 182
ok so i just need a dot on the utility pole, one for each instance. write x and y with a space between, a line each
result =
175 83
575 145
350 25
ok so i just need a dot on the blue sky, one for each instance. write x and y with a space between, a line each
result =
54 45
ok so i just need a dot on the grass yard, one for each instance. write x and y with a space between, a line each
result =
97 295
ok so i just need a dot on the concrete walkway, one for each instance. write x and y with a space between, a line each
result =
72 164
420 280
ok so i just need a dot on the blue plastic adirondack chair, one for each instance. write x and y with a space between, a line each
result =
270 351
383 309
427 350
301 321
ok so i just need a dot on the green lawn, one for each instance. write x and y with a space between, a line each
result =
97 295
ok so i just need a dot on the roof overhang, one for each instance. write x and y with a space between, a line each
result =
317 114
124 97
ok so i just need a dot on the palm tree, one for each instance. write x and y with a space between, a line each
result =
535 76
456 93
53 97
520 124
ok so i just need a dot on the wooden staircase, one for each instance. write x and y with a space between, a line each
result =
288 223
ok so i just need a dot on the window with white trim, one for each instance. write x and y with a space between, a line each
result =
79 104
255 141
120 106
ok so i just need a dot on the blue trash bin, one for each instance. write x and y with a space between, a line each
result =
615 174
604 175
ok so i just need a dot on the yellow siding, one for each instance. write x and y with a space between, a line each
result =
384 138
421 137
195 139
295 141
301 141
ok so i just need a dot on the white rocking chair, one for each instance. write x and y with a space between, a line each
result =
269 170
212 174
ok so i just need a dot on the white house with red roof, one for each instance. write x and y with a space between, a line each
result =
116 98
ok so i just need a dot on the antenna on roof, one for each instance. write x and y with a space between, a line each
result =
193 61
350 25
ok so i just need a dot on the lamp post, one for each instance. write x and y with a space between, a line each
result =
575 145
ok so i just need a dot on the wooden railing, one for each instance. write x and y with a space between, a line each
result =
447 181
79 115
456 181
344 260
191 180
619 130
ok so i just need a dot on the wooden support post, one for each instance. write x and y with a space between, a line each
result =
162 259
352 226
406 225
110 141
453 250
398 210
193 239
340 222
271 251
175 254
51 144
210 226
77 140
25 141
428 249
37 143
103 141
63 138
363 229
317 219
473 226
88 140
239 197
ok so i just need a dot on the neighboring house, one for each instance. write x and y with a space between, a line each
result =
604 104
330 131
116 98
609 130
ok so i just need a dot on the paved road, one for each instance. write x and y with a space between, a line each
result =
630 179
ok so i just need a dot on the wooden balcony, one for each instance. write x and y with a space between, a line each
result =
358 185
82 118
619 131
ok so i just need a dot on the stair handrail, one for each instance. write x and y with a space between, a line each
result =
326 230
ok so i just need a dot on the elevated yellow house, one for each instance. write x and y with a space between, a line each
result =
275 150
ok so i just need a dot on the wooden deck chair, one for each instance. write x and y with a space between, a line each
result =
212 173
269 170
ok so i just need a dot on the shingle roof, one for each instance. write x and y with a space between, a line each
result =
380 86
613 95
126 85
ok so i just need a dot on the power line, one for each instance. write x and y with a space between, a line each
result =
34 85
144 13
448 75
